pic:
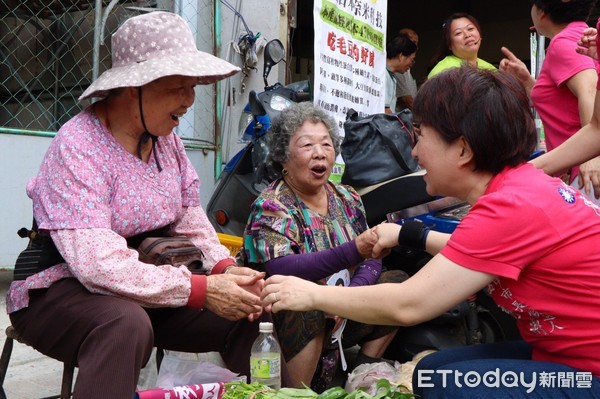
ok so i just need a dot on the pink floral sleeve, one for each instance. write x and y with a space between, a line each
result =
195 224
102 262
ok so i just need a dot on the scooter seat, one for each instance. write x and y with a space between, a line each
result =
392 195
367 189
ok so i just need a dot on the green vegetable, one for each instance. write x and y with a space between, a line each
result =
358 394
386 390
333 393
243 390
296 393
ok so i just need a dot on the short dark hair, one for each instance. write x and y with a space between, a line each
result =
289 120
400 44
446 43
561 11
490 109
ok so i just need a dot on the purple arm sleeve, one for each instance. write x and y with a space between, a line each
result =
316 265
367 273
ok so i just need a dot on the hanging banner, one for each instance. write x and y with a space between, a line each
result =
350 64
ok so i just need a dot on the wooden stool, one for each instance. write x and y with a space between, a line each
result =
68 368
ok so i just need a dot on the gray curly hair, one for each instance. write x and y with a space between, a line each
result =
288 122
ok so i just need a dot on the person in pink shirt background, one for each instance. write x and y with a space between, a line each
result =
585 144
116 171
563 93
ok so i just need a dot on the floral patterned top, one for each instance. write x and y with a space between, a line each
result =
90 193
281 224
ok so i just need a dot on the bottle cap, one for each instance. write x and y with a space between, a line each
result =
265 326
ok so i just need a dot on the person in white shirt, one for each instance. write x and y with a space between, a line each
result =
400 57
406 85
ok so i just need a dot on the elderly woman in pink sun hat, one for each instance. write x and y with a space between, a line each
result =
115 171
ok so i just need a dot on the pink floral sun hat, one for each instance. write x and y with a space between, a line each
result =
152 46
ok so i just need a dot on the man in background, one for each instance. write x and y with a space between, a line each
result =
406 85
400 56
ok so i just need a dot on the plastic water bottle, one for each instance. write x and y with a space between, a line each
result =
265 358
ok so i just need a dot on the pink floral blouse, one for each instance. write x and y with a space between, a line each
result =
90 193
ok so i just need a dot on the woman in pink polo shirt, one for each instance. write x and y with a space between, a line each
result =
563 93
529 239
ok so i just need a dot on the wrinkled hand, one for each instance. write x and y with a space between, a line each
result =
511 64
587 44
246 271
365 242
253 289
589 177
288 293
387 238
234 296
242 271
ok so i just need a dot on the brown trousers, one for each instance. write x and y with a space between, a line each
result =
111 338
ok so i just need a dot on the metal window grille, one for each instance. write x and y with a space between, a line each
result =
47 57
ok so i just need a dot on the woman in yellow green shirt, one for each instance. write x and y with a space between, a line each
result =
461 38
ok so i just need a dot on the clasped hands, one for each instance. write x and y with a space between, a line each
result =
293 293
378 241
237 294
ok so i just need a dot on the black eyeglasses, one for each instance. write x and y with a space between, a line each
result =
416 130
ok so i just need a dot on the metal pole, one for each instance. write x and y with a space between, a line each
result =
97 39
101 16
25 132
218 113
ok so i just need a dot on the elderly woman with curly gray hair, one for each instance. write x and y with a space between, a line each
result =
306 226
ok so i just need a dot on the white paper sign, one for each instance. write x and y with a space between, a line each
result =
350 64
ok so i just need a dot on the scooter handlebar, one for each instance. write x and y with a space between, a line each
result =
301 96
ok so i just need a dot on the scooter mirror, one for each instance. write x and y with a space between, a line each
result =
256 108
274 54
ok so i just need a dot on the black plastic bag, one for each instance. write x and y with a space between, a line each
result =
377 147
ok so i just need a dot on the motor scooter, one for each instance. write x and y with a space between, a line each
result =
248 173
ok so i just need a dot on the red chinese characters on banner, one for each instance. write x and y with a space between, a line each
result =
348 48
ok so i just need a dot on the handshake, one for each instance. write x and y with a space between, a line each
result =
378 241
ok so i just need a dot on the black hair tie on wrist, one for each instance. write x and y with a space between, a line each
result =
413 233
